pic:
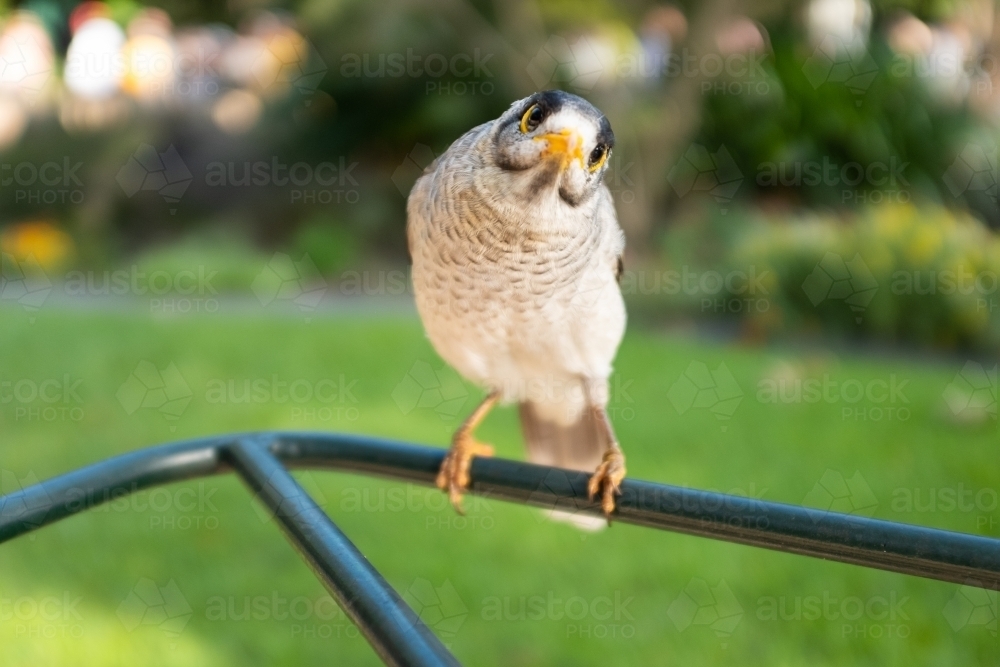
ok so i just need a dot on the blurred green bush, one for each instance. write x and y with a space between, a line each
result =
925 276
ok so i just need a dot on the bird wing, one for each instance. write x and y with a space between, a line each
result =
606 219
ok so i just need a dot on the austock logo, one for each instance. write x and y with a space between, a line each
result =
699 387
437 511
326 399
555 496
42 616
180 291
579 64
440 607
327 182
49 399
972 395
974 170
834 279
835 493
424 388
150 170
618 179
838 61
452 74
972 607
23 282
164 390
11 483
284 279
305 616
288 60
586 62
874 182
700 171
869 617
310 493
148 604
701 604
49 182
870 400
25 59
412 167
598 617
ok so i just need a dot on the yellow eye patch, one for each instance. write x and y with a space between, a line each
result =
598 157
531 118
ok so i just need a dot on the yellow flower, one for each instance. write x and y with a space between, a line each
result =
49 245
891 220
924 244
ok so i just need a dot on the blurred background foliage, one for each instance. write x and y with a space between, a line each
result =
768 133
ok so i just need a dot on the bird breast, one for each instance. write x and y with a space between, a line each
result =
505 294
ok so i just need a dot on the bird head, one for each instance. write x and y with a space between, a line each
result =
553 142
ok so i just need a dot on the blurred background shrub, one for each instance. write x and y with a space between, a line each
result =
917 276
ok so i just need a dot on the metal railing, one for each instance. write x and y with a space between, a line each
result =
391 627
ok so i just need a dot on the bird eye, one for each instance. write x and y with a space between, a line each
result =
532 118
598 156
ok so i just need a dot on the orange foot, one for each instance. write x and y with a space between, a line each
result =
453 476
607 479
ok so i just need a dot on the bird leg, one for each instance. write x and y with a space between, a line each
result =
453 476
610 473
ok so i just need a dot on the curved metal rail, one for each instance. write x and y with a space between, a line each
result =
393 630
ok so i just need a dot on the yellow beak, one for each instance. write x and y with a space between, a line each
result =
567 145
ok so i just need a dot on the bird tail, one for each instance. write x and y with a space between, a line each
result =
579 445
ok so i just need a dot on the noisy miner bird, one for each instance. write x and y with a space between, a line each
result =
516 253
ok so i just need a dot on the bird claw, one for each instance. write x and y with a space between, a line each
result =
453 477
608 478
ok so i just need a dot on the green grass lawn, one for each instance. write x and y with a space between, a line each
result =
503 586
